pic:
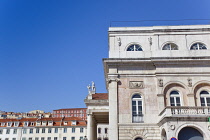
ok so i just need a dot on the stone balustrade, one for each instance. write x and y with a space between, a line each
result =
185 111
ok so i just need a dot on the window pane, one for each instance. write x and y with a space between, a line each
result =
202 102
172 101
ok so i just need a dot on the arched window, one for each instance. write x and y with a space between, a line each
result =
137 108
175 98
170 46
198 46
134 47
205 98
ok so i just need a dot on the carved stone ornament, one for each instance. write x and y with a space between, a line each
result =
109 80
119 41
189 82
136 84
160 82
150 41
172 127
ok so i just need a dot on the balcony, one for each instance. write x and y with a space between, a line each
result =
185 111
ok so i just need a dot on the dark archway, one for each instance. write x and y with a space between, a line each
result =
138 138
189 133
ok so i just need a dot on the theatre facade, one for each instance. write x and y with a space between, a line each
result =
158 83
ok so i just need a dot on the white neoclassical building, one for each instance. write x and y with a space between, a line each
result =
158 82
66 128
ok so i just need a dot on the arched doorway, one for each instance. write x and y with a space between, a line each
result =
189 133
163 135
138 138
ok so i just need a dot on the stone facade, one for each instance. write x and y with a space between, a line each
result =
158 81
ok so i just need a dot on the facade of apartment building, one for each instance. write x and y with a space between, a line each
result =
158 82
70 112
67 128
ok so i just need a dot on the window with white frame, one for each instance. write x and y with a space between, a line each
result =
137 108
73 130
13 138
170 46
81 130
49 130
175 98
38 123
1 131
42 138
72 138
23 138
55 138
24 131
48 138
65 123
31 131
37 130
134 47
30 138
15 131
106 130
43 130
64 130
56 130
198 46
25 123
64 138
99 130
7 131
205 98
80 138
36 138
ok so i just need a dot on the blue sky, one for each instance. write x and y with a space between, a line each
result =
50 50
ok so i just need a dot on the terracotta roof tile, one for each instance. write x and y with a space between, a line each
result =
100 96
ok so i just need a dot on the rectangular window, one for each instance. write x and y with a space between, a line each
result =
31 131
6 138
56 130
42 138
30 138
72 138
7 131
73 130
16 124
13 138
48 138
1 131
80 138
64 138
15 131
36 138
43 130
55 138
81 130
37 130
64 130
49 130
24 131
23 138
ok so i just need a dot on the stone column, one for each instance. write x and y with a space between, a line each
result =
113 108
89 127
191 100
161 102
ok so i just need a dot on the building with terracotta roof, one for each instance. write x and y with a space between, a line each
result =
71 112
66 128
158 83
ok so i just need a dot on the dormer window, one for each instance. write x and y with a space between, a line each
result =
170 46
25 123
44 123
9 124
65 123
38 123
74 122
16 124
134 47
198 46
32 123
2 124
50 123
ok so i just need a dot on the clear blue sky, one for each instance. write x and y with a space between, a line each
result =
50 50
